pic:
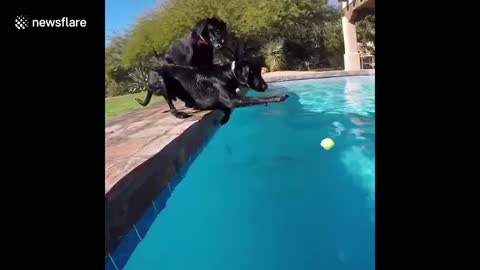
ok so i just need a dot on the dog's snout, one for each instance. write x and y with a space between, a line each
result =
264 86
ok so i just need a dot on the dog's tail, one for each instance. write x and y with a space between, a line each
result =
155 84
146 101
252 101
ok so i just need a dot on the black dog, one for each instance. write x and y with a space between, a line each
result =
236 49
194 49
211 88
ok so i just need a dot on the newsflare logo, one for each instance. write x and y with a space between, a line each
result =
23 22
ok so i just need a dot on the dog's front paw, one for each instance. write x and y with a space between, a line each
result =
181 115
282 98
224 120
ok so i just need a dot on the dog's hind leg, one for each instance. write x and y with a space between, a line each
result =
174 110
252 101
224 103
158 87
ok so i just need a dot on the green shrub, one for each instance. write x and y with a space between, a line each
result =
274 54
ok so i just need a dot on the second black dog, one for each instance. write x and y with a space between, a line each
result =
195 49
210 88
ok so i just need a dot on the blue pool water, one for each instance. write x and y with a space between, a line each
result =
264 195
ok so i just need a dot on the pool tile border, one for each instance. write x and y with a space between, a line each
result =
138 191
117 259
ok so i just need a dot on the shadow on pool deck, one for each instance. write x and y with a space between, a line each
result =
146 149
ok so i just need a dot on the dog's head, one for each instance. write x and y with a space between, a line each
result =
236 49
249 74
211 31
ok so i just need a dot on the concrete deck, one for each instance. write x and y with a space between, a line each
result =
146 149
133 138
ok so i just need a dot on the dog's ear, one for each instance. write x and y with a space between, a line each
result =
199 27
218 22
242 69
213 20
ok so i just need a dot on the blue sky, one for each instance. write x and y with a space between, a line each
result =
120 14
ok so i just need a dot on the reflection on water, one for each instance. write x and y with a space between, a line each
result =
354 98
357 162
361 166
354 95
351 94
350 97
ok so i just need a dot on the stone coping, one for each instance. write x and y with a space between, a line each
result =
279 76
145 150
133 138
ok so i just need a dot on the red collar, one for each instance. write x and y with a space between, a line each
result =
203 41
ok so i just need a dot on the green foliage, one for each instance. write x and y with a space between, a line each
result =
334 46
114 51
291 34
115 74
121 78
165 25
274 54
117 88
366 33
138 77
262 20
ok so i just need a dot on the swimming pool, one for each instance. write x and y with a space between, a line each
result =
263 194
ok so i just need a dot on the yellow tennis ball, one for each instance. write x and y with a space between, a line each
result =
327 143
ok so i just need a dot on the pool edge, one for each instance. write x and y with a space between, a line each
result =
130 199
305 75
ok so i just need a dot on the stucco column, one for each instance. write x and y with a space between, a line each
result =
351 56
